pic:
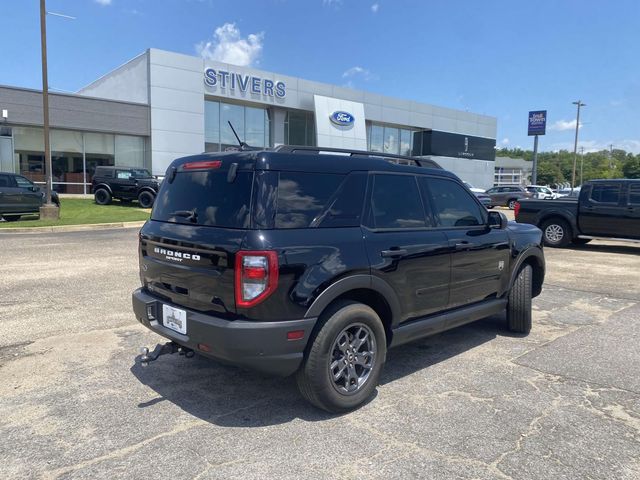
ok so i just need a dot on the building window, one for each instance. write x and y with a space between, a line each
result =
299 128
250 123
74 155
508 176
388 139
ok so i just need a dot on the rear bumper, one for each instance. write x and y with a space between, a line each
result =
261 346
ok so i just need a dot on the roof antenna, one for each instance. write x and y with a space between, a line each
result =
243 146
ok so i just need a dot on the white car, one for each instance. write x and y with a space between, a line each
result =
541 192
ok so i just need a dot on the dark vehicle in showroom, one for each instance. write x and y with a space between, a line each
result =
603 209
20 196
296 261
125 184
507 196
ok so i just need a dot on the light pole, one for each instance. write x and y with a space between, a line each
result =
48 210
575 145
581 163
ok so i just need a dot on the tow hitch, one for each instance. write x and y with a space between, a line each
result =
163 349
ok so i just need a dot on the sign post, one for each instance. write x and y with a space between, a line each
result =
537 126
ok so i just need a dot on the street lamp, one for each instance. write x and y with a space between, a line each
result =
575 145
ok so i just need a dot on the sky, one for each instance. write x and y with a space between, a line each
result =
495 57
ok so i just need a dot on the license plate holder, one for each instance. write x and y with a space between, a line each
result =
174 319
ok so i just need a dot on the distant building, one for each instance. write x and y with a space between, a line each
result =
512 171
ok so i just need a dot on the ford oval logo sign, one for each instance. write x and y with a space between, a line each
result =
342 119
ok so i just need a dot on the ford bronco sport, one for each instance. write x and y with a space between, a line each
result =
314 263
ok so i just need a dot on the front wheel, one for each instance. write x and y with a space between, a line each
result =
519 302
342 368
145 199
11 218
512 203
556 232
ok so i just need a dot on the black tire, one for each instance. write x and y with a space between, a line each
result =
512 203
11 218
556 232
102 196
146 199
581 241
519 302
314 378
489 207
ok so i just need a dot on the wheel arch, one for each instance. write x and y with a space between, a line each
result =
365 289
534 257
104 186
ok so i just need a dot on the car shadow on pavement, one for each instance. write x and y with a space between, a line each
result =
625 249
232 397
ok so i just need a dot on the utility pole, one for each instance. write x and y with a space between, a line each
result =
48 210
575 145
581 163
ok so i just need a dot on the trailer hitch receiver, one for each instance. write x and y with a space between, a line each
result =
163 349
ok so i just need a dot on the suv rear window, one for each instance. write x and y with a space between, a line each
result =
208 194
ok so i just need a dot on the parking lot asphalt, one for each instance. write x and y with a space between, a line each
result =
474 402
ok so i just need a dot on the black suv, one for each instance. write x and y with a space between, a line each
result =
124 183
20 196
296 261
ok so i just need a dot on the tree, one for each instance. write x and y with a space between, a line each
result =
549 174
631 167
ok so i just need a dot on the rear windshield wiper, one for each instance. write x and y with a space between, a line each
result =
190 215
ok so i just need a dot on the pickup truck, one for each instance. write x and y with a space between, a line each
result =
604 209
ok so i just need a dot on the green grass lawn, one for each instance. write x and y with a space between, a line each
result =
80 211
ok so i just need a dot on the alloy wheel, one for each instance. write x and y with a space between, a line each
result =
554 233
352 359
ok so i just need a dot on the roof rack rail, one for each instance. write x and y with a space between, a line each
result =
421 162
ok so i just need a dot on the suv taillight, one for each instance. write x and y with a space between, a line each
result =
256 276
516 209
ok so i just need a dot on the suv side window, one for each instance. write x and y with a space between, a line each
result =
5 181
603 193
123 174
634 194
302 197
452 204
23 182
396 203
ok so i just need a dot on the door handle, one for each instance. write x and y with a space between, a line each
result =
394 252
464 245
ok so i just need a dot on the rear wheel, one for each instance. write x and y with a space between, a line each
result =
342 368
145 199
11 218
102 196
556 232
519 302
512 203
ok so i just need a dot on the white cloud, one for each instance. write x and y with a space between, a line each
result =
562 125
505 141
358 72
104 3
229 46
330 3
375 7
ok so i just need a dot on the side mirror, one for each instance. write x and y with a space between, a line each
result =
497 220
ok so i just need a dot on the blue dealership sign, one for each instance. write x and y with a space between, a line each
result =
342 119
537 122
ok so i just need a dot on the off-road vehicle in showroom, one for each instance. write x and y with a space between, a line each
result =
125 184
314 262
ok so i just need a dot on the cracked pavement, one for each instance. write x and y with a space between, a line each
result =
472 403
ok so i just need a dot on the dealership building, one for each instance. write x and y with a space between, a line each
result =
163 105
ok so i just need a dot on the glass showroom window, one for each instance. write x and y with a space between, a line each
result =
74 155
387 139
251 124
299 128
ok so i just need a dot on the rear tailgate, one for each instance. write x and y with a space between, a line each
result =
198 223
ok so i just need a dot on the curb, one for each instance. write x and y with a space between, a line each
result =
73 228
